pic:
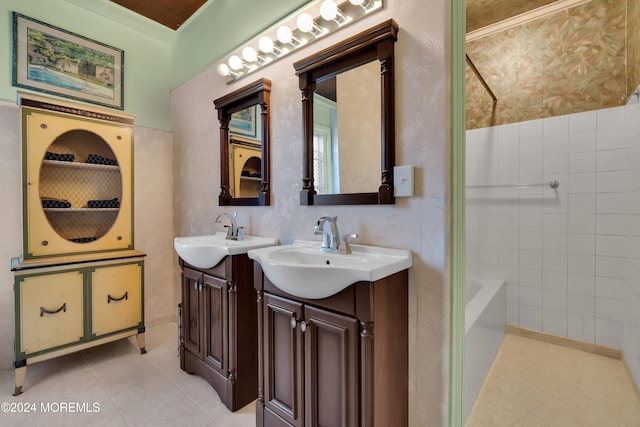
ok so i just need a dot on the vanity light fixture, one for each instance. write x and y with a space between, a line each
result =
302 27
330 11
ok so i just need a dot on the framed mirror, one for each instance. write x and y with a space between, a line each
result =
348 120
244 145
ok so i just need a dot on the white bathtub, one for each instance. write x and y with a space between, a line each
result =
485 326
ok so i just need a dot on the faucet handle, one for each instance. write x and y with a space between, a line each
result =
345 248
240 233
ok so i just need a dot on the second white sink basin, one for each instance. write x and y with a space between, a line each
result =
301 269
207 251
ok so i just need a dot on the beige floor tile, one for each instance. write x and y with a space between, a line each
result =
534 383
131 389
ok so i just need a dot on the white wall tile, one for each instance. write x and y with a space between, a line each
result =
555 222
582 182
582 304
554 261
530 221
531 129
554 321
531 259
611 160
531 317
611 288
611 118
584 244
554 281
509 221
616 224
533 147
582 162
609 267
530 296
513 313
553 300
531 166
611 245
510 132
585 121
554 242
582 142
610 182
531 240
581 264
610 139
581 284
609 332
558 125
610 203
530 278
609 309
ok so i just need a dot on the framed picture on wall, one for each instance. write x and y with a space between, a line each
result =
243 122
52 60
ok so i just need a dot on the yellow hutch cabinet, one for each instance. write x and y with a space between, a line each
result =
79 282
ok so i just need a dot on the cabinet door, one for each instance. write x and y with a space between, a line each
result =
216 323
49 311
116 298
331 369
283 361
192 327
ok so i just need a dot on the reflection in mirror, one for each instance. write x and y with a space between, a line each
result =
348 120
244 145
346 108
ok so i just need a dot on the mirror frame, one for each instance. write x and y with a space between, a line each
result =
376 43
256 93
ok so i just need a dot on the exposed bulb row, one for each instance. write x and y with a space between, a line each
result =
287 41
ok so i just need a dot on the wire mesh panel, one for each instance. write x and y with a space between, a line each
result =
80 186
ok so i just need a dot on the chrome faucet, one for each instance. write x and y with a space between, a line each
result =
331 238
233 231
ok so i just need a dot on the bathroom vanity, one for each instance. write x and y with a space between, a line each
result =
79 281
338 360
218 337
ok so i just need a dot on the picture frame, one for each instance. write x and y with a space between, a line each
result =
243 122
55 61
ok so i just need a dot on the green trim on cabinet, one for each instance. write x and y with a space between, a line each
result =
20 355
457 254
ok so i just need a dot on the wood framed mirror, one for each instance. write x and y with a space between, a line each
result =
244 145
348 150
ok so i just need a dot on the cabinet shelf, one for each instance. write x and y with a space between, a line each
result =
85 210
78 165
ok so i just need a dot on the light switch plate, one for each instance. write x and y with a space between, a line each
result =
403 181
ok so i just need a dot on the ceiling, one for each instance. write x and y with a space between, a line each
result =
170 13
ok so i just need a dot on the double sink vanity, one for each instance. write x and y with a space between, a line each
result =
318 337
315 331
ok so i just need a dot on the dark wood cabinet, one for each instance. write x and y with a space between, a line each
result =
219 328
338 361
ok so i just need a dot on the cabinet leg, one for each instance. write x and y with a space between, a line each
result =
21 374
140 339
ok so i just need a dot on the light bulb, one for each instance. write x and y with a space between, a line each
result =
265 44
328 10
235 62
284 34
305 22
223 70
356 2
249 54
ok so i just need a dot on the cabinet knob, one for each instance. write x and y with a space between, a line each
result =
303 326
294 322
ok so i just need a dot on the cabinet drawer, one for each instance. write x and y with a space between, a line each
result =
51 311
116 298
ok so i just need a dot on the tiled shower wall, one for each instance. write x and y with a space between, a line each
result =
562 252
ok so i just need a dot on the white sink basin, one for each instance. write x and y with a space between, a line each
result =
301 269
207 251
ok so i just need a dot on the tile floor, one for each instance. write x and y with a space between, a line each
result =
130 389
533 383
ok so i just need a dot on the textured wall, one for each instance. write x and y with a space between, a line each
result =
633 43
572 61
419 223
481 13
